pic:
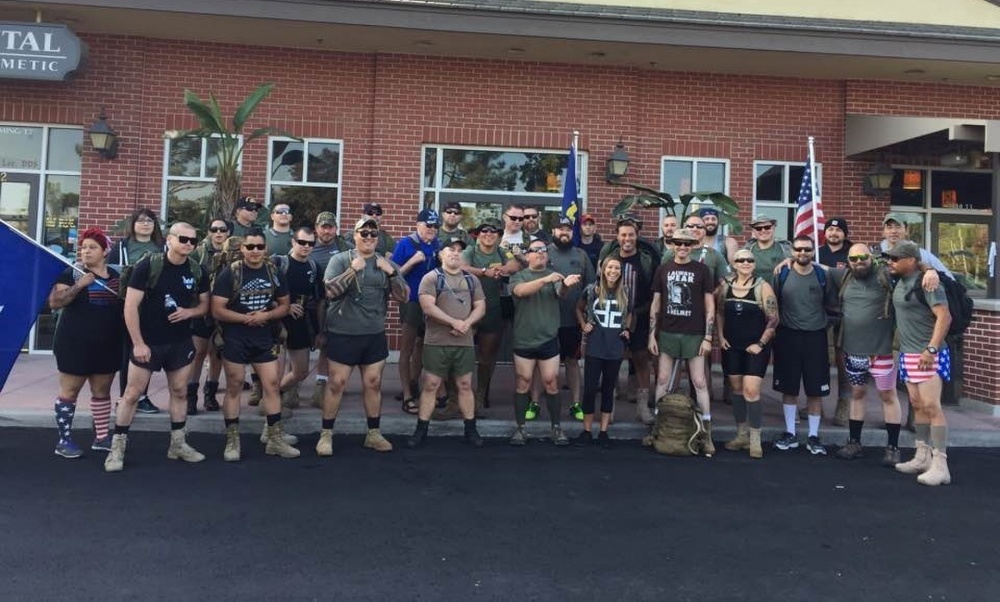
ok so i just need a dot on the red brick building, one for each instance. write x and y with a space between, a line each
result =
409 103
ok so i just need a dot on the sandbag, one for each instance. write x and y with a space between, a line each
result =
678 429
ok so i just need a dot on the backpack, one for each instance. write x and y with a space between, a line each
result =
281 263
758 289
442 284
783 276
959 303
678 429
156 261
784 245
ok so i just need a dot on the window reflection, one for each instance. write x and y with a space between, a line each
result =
62 214
306 202
188 201
503 170
964 248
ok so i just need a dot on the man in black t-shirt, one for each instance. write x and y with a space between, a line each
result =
304 280
249 299
163 296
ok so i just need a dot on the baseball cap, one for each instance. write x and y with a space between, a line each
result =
708 211
489 222
429 217
894 217
762 218
248 203
452 205
326 218
454 240
837 222
903 250
366 221
683 234
372 207
586 217
563 221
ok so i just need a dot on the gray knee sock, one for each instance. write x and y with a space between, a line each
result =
922 431
754 410
552 403
939 438
521 401
739 408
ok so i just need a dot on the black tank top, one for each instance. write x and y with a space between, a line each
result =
745 319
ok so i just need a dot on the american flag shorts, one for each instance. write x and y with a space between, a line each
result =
910 373
881 367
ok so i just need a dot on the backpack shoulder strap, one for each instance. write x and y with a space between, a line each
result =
758 291
155 269
782 277
820 276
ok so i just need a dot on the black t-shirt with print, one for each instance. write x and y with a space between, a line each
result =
302 279
258 292
174 289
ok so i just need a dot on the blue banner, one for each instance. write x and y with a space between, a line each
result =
28 273
571 200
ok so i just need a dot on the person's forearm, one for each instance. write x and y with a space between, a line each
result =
526 289
337 286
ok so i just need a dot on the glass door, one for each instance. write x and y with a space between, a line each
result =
17 201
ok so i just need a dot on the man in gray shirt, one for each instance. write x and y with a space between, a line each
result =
923 319
805 292
279 234
358 286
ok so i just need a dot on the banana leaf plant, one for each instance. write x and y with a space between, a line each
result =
681 207
227 142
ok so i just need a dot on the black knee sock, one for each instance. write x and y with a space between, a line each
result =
273 419
328 424
753 412
231 421
854 429
470 425
121 430
521 401
552 403
423 425
739 408
373 422
176 426
893 431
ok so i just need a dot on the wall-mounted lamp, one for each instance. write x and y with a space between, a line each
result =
878 180
616 165
103 138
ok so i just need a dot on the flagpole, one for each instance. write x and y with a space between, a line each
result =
812 192
54 254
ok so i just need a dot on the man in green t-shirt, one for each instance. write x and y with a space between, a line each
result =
922 319
767 251
536 291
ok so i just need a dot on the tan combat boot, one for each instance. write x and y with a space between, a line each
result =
642 411
232 451
324 447
756 451
938 473
115 461
276 443
707 447
289 439
375 440
921 460
256 392
180 450
742 440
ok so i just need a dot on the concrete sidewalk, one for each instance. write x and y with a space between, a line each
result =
28 396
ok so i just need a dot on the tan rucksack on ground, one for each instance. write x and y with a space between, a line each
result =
678 429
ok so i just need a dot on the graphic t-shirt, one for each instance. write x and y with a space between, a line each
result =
604 341
682 288
715 262
95 312
456 300
302 280
362 308
175 289
639 282
536 318
259 291
914 319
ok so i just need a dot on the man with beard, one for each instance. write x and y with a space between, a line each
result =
566 259
834 255
451 217
726 246
590 240
805 294
533 224
328 243
667 229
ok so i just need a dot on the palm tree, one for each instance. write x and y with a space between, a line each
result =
226 142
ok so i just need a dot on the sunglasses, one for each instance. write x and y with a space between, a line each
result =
802 249
695 226
488 231
374 213
744 260
283 211
252 247
515 218
893 258
683 243
532 216
452 212
250 208
762 228
217 229
537 250
187 240
305 243
865 257
433 226
368 233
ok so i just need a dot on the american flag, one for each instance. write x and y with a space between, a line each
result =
809 213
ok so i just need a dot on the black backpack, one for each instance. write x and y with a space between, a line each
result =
959 302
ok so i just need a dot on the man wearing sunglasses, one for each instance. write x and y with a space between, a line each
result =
806 296
358 285
533 225
158 317
249 300
279 233
301 324
244 215
682 323
767 251
386 243
328 243
451 217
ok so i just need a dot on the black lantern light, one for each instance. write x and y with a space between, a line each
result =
878 180
616 165
103 138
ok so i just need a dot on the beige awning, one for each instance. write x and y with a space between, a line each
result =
872 132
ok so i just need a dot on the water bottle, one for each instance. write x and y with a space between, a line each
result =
169 304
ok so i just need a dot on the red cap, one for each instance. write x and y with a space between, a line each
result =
586 217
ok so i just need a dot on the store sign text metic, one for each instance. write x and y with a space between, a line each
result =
38 51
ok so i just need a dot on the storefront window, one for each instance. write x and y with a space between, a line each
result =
682 175
776 190
305 175
191 166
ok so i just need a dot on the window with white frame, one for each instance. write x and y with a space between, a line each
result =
776 192
190 166
485 179
684 175
305 175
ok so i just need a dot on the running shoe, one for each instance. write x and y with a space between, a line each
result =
101 444
146 406
532 412
584 439
558 436
815 447
576 411
68 449
786 442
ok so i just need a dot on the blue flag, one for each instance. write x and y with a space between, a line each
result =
571 201
29 270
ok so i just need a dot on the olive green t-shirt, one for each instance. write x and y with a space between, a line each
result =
914 319
456 300
137 250
536 317
767 259
475 257
866 317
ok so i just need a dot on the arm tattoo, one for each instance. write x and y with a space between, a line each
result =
771 311
709 326
337 286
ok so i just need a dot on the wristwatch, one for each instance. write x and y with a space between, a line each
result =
931 349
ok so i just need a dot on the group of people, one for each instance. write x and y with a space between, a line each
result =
289 289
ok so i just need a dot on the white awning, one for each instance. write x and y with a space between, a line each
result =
871 132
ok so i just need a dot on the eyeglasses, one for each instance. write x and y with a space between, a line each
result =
683 243
186 240
537 250
250 208
864 257
368 233
305 243
802 249
452 212
252 247
744 260
374 213
144 220
762 228
217 229
695 226
515 218
488 231
283 211
532 216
